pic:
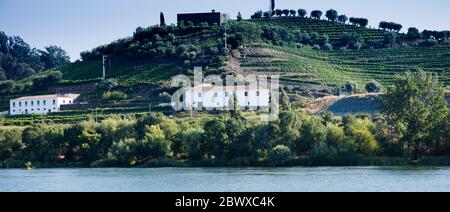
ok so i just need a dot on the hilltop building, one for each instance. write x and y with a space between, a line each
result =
40 104
219 97
197 18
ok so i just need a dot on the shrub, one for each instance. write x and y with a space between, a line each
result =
350 87
316 47
10 142
279 156
116 95
373 87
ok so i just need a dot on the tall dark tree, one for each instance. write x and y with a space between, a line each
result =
302 13
239 16
332 15
17 58
342 19
317 14
413 34
278 12
162 19
293 13
54 56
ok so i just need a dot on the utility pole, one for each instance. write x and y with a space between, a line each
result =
104 68
225 37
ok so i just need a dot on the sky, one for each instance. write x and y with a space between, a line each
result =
79 25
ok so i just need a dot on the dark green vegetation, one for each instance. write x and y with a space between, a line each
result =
230 139
19 60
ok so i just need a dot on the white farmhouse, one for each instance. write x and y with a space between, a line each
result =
220 97
40 104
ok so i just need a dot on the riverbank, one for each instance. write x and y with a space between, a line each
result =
354 161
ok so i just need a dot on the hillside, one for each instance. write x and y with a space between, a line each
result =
310 55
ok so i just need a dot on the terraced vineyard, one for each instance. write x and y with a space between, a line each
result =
334 68
332 29
127 73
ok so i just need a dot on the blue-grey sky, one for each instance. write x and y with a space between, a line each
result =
78 25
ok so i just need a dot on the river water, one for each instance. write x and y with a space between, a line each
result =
228 179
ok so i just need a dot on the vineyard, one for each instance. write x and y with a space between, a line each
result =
335 68
332 29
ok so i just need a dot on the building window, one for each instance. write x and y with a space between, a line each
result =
246 93
54 102
14 104
44 102
14 111
32 103
38 102
227 94
216 95
257 93
199 95
26 104
20 104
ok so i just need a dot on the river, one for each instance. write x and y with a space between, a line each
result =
228 179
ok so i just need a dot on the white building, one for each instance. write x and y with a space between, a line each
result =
220 97
40 104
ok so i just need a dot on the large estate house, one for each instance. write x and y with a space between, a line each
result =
40 104
219 97
198 18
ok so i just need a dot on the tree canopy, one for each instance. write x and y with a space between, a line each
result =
417 102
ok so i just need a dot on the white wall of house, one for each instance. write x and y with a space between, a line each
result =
38 104
220 96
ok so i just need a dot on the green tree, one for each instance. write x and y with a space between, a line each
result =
302 13
342 19
285 101
413 34
162 19
332 15
373 86
10 143
350 87
289 124
317 14
279 156
216 138
54 56
312 133
417 100
239 16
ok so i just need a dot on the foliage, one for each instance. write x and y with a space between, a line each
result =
373 87
279 156
416 101
18 60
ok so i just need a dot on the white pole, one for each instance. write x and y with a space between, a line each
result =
104 68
